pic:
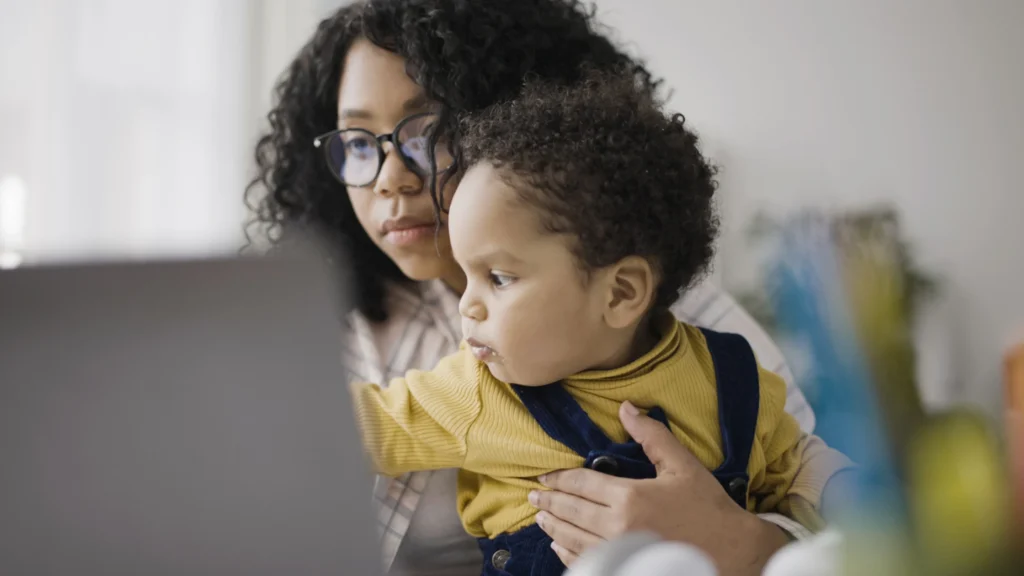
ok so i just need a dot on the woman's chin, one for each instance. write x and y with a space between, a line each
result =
426 266
420 267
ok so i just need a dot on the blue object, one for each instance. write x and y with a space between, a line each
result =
811 307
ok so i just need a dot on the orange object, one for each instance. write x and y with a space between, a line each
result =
1013 378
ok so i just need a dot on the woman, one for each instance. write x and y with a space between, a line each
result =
380 79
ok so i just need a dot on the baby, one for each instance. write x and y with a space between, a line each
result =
583 214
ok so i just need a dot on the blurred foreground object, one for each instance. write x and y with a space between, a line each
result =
932 495
850 281
179 417
960 495
815 556
642 554
881 287
810 296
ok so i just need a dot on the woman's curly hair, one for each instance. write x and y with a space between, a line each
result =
604 165
466 54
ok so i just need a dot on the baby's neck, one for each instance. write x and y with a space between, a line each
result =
643 340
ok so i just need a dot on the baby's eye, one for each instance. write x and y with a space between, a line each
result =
501 280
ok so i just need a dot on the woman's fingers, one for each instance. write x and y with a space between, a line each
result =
567 557
571 509
663 449
587 484
572 540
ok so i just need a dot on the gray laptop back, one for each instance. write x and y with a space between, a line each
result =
184 418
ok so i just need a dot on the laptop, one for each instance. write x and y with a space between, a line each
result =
185 418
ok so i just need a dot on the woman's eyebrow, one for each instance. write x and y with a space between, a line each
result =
354 113
414 104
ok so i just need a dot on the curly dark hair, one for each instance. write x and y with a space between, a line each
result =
466 54
607 167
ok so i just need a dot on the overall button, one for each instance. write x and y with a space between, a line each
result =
605 464
738 490
500 559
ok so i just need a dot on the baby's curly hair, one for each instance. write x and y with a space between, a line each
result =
605 165
466 54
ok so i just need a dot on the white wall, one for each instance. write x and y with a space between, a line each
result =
849 102
129 123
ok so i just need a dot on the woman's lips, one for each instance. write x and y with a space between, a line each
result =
405 231
480 351
407 236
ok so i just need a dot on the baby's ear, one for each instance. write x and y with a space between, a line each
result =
630 285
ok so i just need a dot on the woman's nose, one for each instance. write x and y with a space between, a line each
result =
395 177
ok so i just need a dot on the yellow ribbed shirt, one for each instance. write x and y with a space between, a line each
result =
459 416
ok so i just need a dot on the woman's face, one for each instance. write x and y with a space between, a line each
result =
395 210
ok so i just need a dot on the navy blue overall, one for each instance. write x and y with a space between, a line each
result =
527 552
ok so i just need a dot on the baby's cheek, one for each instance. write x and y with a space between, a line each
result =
544 363
539 340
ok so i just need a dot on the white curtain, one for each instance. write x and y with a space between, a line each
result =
127 126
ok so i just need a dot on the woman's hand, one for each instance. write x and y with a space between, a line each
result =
684 503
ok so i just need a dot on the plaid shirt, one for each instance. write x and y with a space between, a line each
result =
425 325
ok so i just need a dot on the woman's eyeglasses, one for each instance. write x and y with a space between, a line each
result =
355 156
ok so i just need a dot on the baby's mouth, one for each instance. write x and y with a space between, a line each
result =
481 352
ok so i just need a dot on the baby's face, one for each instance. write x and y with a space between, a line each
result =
528 312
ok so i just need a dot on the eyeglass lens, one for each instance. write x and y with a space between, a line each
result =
354 156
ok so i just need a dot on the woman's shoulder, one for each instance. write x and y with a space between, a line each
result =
405 299
702 304
708 306
419 331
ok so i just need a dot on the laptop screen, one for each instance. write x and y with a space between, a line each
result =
178 418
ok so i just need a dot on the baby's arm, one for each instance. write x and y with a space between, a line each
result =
420 422
798 465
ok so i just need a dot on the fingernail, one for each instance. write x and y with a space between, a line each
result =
541 517
556 548
630 408
543 479
534 497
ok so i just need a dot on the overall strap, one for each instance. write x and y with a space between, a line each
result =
562 417
739 397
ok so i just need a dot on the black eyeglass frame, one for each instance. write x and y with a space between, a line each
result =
380 139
